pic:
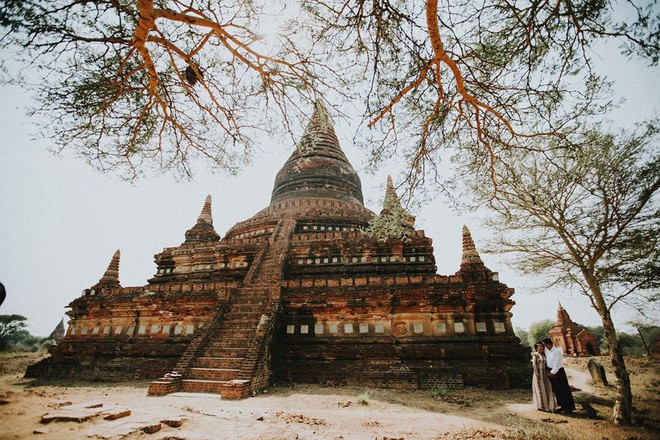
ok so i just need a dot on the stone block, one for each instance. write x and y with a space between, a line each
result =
151 429
117 414
597 372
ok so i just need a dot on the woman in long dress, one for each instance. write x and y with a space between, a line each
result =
544 398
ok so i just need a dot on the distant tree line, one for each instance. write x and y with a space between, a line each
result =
15 337
633 344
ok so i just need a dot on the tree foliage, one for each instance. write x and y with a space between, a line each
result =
599 333
484 75
11 326
539 330
128 84
648 335
585 215
523 335
588 212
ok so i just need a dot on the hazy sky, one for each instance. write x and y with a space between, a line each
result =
61 221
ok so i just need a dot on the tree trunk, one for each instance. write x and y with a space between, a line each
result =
646 347
622 411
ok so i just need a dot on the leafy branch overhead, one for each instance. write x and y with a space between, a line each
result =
165 82
484 76
133 84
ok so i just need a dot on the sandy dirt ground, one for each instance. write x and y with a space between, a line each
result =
314 412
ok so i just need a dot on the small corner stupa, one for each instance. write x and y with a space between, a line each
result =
110 279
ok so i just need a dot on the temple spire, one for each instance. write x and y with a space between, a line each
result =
391 198
320 119
206 216
562 314
110 278
319 136
203 230
58 333
470 255
392 206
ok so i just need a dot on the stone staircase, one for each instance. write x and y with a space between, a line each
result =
231 356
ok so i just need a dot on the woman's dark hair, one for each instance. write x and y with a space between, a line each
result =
537 344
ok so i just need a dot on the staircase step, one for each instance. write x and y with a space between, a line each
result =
238 326
218 362
225 352
213 373
202 386
253 291
248 308
239 389
245 311
236 332
236 318
230 342
248 295
255 303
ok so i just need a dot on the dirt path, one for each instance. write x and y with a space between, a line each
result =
303 412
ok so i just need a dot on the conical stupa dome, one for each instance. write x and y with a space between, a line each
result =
318 167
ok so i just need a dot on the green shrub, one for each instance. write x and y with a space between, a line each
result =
439 391
363 399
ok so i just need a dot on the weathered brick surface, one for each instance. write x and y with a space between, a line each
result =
163 387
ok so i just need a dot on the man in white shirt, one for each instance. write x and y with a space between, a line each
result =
554 359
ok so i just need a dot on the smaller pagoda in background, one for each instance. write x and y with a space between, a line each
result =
58 333
574 339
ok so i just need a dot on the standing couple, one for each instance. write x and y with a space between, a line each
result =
549 380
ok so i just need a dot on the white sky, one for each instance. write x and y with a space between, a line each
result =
61 221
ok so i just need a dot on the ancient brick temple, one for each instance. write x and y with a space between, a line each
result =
298 292
574 339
